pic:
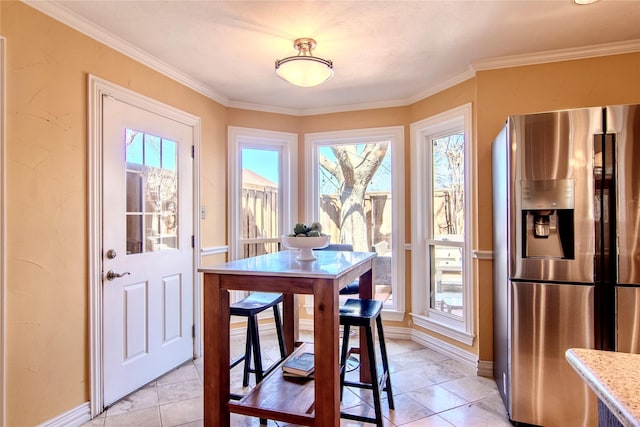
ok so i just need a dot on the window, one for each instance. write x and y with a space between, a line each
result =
152 193
441 263
355 190
262 190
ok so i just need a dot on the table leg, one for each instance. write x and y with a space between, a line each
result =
290 321
366 292
216 353
326 338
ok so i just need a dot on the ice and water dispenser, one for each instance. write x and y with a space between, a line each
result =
547 218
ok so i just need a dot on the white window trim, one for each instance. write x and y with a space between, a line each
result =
454 327
395 135
287 145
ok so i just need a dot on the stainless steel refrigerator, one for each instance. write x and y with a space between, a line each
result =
566 206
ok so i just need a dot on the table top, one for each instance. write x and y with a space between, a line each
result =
614 377
328 265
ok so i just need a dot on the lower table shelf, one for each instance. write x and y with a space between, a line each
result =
277 397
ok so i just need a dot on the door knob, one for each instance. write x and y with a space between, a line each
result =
113 275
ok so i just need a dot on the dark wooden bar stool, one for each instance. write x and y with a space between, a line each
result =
250 307
364 313
352 288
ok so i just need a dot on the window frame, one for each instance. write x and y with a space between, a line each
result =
457 328
395 136
287 146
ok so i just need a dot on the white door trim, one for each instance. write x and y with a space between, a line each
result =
98 87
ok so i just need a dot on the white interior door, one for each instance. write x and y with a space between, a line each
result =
147 246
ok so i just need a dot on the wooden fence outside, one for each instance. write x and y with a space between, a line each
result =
260 218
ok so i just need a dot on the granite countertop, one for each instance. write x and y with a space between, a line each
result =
615 379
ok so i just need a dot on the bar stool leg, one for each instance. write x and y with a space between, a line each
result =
343 357
385 362
247 356
279 333
374 375
257 354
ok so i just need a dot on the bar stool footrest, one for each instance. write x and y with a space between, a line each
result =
237 361
358 384
360 418
272 367
381 383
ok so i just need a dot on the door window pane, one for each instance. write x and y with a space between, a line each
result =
151 193
151 151
134 234
169 156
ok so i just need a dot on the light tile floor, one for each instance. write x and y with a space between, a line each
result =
429 390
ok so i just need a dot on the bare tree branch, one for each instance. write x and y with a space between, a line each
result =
353 170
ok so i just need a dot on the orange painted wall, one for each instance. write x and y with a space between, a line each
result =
47 348
47 334
521 90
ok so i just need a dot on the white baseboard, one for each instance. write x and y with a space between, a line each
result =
466 358
397 332
72 418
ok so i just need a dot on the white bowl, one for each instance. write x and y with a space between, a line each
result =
306 245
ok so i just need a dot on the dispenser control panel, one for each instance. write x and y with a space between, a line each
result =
548 194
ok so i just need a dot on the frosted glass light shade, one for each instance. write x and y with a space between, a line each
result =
304 70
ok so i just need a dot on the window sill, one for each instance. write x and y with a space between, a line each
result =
443 329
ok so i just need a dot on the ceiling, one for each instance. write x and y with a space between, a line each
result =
385 53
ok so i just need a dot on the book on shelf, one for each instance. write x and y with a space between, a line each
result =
300 365
296 376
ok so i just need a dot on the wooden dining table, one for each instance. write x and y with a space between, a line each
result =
311 403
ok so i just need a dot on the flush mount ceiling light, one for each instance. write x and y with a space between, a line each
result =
304 69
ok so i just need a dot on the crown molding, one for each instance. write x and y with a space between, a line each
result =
262 107
594 51
543 57
446 84
320 110
355 107
78 23
470 73
73 20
